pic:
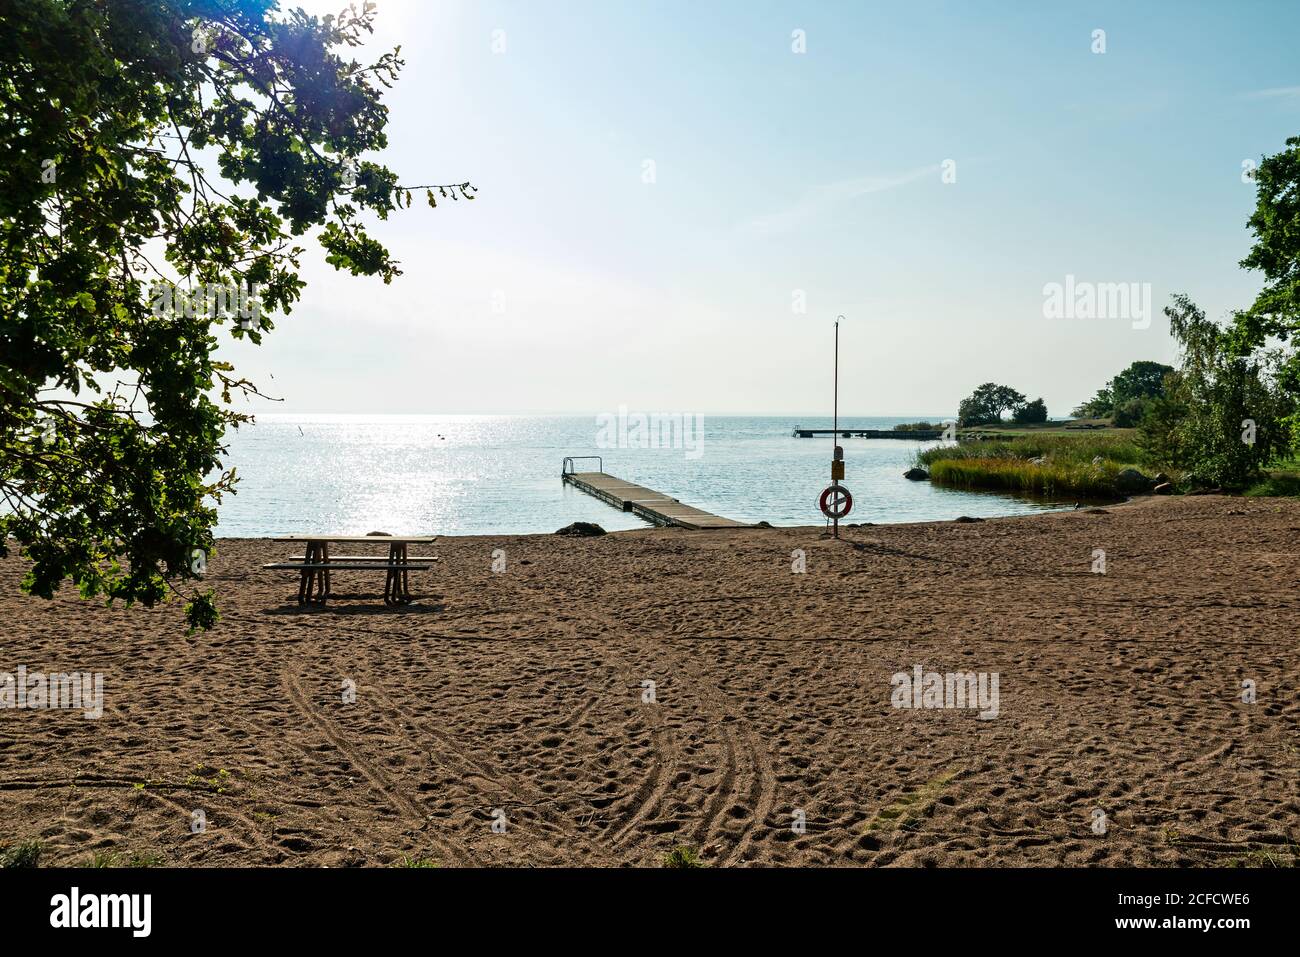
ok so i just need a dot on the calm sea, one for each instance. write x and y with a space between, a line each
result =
500 474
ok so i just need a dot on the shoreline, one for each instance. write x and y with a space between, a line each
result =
1041 513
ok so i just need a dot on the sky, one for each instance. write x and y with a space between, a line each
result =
677 199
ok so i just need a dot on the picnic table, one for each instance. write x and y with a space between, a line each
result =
315 564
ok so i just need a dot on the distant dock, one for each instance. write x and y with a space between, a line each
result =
919 434
643 502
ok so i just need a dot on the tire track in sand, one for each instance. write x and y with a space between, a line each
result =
368 769
748 783
150 790
461 762
650 794
646 798
746 775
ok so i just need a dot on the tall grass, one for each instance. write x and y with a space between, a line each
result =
1092 481
1036 464
1281 484
1057 449
26 854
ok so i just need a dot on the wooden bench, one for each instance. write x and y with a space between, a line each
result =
316 566
396 586
342 565
413 559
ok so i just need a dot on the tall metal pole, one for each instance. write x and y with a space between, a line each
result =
835 415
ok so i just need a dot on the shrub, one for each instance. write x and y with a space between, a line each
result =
26 854
682 857
1158 435
1030 412
1276 485
1131 412
1098 407
1233 420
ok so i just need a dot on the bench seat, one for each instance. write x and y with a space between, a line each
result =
367 558
348 566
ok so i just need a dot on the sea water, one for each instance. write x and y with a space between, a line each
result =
500 474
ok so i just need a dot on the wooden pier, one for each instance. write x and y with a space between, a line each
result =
643 502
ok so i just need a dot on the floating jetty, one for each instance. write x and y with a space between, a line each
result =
643 502
918 434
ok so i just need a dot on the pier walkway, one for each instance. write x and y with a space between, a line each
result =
643 502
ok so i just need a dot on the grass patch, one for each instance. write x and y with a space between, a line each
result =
208 779
1115 446
407 861
103 859
26 854
1092 481
908 810
1084 465
1283 479
1279 485
1286 856
682 857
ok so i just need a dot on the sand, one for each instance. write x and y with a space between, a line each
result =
516 700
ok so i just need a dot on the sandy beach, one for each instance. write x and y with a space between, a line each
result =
520 699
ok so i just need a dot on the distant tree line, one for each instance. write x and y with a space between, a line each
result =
1127 398
990 402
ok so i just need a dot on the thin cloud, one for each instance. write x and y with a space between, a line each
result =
821 198
1274 93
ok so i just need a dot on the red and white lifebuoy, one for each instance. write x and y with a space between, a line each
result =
836 501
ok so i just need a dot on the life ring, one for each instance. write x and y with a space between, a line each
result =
843 504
